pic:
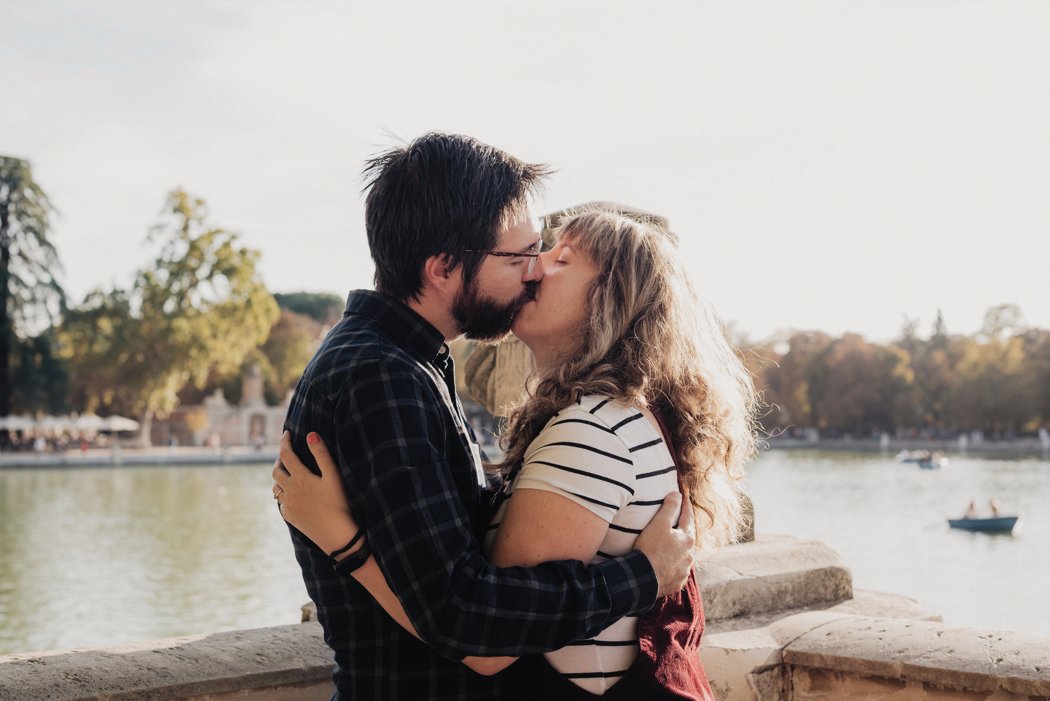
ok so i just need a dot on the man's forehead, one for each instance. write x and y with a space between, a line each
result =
523 230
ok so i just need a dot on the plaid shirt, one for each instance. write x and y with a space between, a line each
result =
381 392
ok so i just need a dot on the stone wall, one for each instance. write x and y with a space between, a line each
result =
784 624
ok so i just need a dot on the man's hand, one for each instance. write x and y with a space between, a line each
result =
670 549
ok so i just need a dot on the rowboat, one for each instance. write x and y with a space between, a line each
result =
995 524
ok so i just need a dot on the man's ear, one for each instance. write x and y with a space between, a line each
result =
438 272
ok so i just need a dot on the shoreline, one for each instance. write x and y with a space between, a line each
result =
266 455
1021 448
141 457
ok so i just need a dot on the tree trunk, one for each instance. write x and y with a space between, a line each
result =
145 429
6 330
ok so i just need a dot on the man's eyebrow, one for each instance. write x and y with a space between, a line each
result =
533 247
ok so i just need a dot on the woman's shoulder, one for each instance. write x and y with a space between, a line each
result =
602 408
593 419
614 414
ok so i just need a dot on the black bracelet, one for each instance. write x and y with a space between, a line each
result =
353 541
353 561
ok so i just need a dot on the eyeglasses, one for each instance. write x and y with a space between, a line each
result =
531 265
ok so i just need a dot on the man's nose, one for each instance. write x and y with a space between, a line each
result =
534 272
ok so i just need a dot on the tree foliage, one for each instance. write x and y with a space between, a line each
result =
198 310
323 307
996 381
30 294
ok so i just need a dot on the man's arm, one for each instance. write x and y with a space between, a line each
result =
390 449
317 506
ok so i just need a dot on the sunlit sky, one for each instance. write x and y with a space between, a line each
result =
828 165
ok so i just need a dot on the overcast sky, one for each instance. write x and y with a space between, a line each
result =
828 165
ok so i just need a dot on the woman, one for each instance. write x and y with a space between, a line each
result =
636 393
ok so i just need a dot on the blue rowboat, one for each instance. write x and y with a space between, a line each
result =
998 524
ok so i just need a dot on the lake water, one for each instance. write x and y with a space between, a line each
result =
888 522
103 556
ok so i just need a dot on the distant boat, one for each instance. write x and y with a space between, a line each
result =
995 524
923 458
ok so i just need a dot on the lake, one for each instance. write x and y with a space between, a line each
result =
102 556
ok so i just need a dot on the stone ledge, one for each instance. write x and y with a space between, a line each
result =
283 662
772 573
971 659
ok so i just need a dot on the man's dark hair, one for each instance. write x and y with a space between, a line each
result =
440 194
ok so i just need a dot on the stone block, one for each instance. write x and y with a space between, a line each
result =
773 573
923 652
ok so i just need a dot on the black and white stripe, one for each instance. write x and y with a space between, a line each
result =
611 460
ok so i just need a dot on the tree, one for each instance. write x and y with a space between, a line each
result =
993 392
323 307
794 384
197 311
863 383
1002 321
29 263
280 360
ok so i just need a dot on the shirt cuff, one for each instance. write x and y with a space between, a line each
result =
631 582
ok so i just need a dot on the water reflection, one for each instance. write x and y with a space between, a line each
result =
101 556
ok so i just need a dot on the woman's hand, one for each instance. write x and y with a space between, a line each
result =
315 505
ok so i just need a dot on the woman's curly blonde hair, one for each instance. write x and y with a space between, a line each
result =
649 342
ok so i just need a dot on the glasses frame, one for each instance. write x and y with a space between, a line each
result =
530 266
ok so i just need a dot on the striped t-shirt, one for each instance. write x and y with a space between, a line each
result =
609 458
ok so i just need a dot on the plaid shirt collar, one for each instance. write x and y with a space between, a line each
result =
401 325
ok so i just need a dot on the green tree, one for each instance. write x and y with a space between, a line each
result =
795 382
993 392
1037 370
29 289
323 307
288 349
196 312
281 360
41 377
864 381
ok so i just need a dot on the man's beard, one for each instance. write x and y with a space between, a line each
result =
484 319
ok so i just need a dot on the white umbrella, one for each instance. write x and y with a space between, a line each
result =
16 423
88 422
119 423
55 423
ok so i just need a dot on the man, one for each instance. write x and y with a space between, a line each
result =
454 246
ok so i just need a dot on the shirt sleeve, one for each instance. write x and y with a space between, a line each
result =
390 446
580 458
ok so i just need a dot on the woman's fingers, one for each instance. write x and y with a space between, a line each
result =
280 474
320 452
290 460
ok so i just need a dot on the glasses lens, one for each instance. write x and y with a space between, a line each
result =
530 266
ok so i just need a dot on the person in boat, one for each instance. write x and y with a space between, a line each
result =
971 510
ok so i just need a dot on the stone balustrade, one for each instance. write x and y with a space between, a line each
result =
784 623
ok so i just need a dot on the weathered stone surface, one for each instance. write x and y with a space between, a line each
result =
284 662
924 652
731 657
772 573
880 604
